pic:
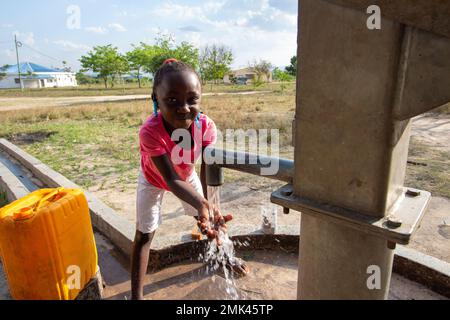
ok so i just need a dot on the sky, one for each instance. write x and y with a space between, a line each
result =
55 31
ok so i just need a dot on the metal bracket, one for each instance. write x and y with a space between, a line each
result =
397 227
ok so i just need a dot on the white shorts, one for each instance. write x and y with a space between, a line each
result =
149 201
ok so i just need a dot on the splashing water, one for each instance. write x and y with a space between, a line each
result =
219 258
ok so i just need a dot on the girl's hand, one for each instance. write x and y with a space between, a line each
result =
203 217
220 220
218 224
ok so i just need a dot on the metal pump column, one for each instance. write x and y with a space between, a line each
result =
356 91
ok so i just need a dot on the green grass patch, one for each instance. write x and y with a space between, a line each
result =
97 145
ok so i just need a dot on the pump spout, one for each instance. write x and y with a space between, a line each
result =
269 167
214 175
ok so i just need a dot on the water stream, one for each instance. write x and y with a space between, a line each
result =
218 258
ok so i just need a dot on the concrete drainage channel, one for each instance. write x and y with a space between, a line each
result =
21 173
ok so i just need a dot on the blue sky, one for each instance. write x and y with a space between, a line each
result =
253 29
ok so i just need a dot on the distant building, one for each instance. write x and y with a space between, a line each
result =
245 76
34 76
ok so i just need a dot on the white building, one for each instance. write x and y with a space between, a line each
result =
36 76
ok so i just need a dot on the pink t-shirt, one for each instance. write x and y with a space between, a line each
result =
155 141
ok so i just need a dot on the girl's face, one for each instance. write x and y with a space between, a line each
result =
179 96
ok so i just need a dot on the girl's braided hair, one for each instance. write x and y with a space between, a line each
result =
168 66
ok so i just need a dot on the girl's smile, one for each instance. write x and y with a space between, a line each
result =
178 97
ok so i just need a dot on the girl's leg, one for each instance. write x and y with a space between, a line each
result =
148 218
139 263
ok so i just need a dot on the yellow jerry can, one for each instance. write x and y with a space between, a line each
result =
47 245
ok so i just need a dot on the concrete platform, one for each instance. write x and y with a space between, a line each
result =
273 277
173 263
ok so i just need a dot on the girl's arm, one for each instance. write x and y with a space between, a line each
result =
180 188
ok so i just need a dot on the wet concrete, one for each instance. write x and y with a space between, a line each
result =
20 172
273 276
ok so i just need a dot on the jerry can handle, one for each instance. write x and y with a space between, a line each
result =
28 212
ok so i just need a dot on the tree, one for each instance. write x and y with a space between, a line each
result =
187 53
84 79
233 79
261 68
283 77
140 57
120 66
165 47
2 71
65 67
292 68
214 62
106 61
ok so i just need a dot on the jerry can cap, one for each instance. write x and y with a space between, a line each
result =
28 212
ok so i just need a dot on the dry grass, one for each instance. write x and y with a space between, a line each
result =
126 89
82 90
428 169
97 145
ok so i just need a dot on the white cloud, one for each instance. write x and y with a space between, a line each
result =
101 30
190 29
117 27
222 15
97 30
176 11
71 46
253 29
25 37
9 53
194 38
186 12
7 25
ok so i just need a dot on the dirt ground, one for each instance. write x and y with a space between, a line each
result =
245 198
273 276
9 104
433 129
20 103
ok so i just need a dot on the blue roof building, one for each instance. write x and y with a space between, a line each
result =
28 67
33 75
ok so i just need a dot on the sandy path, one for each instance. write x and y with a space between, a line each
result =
433 129
9 104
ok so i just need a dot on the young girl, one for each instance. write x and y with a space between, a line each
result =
177 96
